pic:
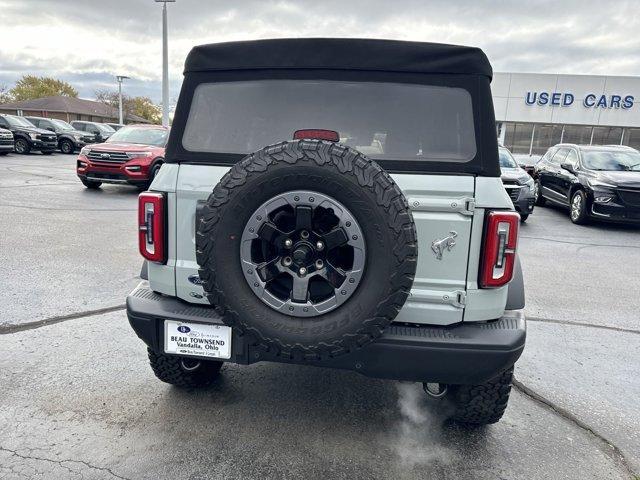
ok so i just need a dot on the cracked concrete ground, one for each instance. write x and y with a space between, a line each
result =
77 399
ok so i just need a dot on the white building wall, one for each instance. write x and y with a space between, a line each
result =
510 90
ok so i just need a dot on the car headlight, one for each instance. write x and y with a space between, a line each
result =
529 183
602 198
138 154
78 138
33 136
599 184
85 150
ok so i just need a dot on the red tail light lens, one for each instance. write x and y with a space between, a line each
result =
315 134
500 243
151 226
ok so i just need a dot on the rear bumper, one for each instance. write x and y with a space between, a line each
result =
459 354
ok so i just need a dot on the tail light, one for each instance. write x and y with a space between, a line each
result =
317 134
499 254
151 226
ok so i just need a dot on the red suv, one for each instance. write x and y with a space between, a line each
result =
132 155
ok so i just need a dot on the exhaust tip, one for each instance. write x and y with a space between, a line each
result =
435 390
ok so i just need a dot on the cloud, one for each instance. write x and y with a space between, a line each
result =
87 42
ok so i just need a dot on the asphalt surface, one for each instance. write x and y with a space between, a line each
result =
78 400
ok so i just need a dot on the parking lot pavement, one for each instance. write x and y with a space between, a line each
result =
65 249
580 273
79 400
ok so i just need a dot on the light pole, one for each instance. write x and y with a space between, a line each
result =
165 64
120 78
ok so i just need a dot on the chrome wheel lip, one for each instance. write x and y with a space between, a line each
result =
355 239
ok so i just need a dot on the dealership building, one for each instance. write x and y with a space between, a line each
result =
536 111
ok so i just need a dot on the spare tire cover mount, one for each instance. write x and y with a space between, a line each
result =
323 245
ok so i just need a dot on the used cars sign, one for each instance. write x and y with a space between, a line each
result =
591 100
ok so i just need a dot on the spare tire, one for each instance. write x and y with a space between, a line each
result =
308 248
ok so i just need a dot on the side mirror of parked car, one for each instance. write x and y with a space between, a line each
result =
568 167
51 129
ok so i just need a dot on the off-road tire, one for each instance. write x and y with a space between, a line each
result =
169 369
91 184
361 185
66 146
481 404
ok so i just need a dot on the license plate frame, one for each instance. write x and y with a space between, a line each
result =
194 339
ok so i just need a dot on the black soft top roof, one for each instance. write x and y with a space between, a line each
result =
339 54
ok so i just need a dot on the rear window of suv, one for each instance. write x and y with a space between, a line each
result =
381 120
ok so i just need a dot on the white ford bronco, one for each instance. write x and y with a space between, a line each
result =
337 203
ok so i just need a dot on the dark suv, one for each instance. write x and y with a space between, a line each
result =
69 139
591 181
518 184
101 131
6 141
27 136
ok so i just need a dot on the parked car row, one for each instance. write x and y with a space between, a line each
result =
591 181
46 135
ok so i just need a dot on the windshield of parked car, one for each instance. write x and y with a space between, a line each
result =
140 135
506 160
381 120
62 124
611 160
104 128
16 122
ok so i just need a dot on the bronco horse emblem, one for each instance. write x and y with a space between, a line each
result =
447 243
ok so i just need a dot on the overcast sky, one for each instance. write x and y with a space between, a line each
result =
87 42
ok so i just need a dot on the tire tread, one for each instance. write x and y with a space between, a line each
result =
369 175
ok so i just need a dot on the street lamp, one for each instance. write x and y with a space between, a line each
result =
165 64
120 78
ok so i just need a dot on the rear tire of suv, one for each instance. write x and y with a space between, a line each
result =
91 184
66 146
22 146
481 404
183 372
523 217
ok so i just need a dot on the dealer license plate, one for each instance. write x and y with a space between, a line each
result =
198 339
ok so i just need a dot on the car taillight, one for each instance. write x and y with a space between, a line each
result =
151 226
317 134
499 253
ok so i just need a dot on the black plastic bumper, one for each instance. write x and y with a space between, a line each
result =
467 353
116 178
524 204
